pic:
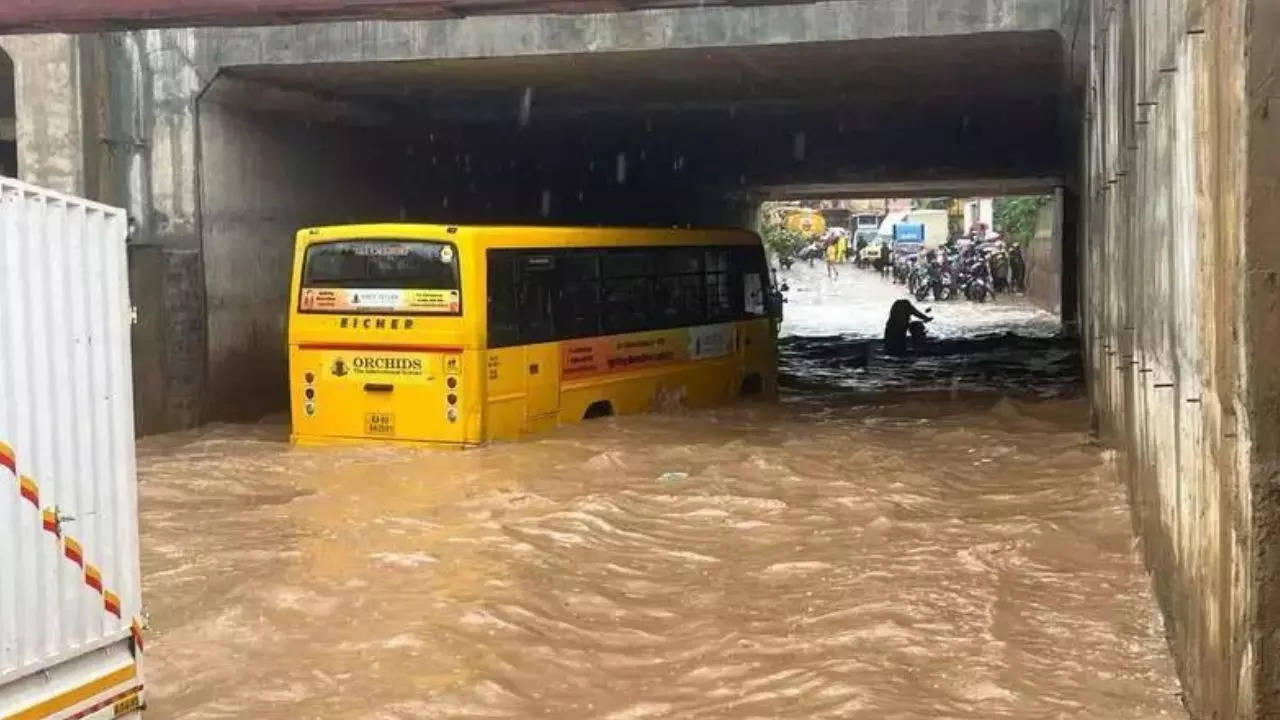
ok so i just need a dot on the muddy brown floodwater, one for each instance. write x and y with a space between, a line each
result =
931 555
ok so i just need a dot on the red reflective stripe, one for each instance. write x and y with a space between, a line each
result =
383 348
111 603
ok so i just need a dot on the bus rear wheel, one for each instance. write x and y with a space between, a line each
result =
598 409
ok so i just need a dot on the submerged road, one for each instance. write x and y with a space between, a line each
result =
927 548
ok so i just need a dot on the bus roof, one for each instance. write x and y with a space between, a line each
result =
533 235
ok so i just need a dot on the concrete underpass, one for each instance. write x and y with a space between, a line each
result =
674 137
1154 127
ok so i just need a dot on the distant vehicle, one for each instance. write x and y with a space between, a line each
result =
837 218
870 252
806 221
907 238
865 221
936 226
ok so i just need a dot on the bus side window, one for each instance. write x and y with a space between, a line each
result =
678 294
750 267
577 304
720 298
534 298
504 320
628 290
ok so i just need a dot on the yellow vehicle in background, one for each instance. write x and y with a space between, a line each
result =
456 335
806 221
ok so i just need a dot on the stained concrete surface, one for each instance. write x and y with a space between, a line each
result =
273 178
1262 338
1179 313
47 110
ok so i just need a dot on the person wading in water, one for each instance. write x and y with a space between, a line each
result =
895 329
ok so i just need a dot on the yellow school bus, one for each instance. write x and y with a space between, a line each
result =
456 335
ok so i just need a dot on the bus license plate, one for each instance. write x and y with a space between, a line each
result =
380 424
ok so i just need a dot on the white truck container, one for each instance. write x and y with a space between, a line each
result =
936 230
70 635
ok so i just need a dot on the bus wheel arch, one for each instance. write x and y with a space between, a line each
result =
598 409
752 384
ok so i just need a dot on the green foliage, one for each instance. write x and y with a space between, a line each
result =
781 241
1015 217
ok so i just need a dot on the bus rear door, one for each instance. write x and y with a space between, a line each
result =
376 342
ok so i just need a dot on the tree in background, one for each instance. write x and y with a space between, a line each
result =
1015 217
782 242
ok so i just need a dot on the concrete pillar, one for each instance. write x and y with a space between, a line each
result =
82 127
49 122
1046 270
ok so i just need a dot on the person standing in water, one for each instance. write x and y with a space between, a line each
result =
833 257
895 329
1018 268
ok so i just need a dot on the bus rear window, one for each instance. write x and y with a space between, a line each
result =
381 276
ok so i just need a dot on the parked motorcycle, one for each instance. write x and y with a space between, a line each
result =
937 283
977 287
918 280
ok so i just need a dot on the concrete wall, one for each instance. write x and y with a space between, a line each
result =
1181 325
167 289
1044 258
263 176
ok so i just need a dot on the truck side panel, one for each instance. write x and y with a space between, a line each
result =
68 497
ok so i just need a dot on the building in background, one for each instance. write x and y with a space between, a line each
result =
976 210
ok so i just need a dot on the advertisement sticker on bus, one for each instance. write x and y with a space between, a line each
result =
379 300
597 356
381 275
380 367
709 341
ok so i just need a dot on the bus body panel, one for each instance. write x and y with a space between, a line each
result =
507 392
369 392
542 381
759 353
698 384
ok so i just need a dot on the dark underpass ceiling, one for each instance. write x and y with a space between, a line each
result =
716 122
921 72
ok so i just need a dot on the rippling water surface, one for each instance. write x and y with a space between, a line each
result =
925 555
